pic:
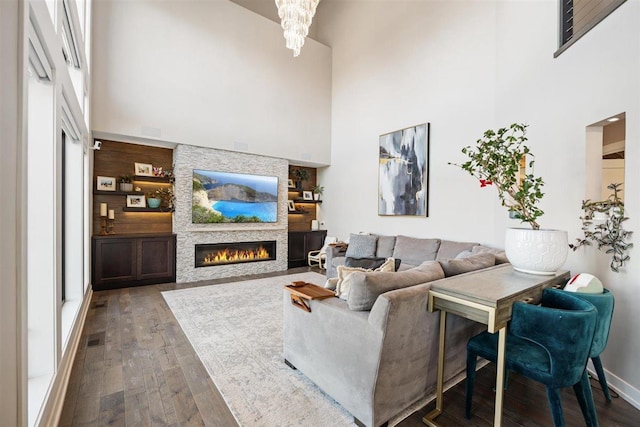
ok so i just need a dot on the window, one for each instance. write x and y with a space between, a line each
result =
577 17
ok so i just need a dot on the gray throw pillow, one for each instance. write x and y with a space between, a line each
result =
385 246
365 287
456 266
449 249
501 256
361 246
369 263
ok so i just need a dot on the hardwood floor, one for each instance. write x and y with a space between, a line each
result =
135 367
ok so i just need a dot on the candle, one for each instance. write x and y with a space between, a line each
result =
103 209
112 214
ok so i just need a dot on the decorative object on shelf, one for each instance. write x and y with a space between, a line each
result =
167 197
500 159
290 184
143 169
103 219
110 220
153 202
125 182
602 225
317 192
403 172
106 183
292 206
295 18
157 171
314 225
300 175
138 188
136 201
307 195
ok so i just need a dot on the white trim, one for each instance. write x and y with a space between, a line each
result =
51 412
625 390
37 55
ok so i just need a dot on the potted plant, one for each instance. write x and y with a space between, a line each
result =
126 182
300 175
602 225
500 159
153 199
166 197
317 192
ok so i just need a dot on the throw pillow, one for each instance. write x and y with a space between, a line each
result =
345 273
331 283
365 287
449 249
385 246
370 263
361 246
456 266
414 251
501 256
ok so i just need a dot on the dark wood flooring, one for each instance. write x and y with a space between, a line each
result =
135 367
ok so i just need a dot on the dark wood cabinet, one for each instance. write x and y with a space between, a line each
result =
301 242
121 261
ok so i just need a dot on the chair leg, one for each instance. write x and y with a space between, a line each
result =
585 399
555 404
472 359
601 378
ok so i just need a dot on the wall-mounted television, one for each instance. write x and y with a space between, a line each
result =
223 197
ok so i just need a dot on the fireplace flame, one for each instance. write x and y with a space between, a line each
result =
226 256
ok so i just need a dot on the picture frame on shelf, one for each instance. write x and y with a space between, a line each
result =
292 206
143 169
290 184
106 183
136 201
307 195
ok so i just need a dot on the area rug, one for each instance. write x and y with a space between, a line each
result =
236 330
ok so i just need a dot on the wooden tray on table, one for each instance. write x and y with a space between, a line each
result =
302 292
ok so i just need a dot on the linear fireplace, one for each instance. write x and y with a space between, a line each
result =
208 255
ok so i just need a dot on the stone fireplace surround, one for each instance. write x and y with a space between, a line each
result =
188 157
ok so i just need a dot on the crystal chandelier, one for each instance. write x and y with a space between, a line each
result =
295 17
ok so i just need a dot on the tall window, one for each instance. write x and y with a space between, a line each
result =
577 17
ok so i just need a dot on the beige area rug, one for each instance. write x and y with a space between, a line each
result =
237 331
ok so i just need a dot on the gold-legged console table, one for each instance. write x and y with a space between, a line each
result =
486 297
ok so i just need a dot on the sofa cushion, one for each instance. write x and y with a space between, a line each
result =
365 287
385 246
370 263
362 246
501 256
414 251
453 267
345 273
450 249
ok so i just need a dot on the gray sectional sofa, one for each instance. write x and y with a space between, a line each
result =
375 352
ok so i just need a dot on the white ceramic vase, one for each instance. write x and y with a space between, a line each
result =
536 251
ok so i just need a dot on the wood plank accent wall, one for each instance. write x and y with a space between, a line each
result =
115 159
302 221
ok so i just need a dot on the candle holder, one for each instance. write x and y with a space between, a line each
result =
110 228
103 226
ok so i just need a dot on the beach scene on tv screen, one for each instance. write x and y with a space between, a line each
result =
220 197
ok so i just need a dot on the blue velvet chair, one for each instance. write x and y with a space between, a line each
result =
604 303
550 344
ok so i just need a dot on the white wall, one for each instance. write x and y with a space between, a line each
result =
211 74
466 67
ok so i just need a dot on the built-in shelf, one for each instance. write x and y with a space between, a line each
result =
125 209
307 201
118 193
166 179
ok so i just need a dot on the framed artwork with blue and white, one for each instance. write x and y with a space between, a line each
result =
403 169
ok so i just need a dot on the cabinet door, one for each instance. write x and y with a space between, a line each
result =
315 240
114 262
156 258
297 254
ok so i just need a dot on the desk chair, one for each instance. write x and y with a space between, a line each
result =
550 344
604 303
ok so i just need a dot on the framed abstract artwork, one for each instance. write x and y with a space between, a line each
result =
403 169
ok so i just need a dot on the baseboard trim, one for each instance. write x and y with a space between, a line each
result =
625 390
50 414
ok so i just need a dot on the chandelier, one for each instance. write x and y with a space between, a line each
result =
295 17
